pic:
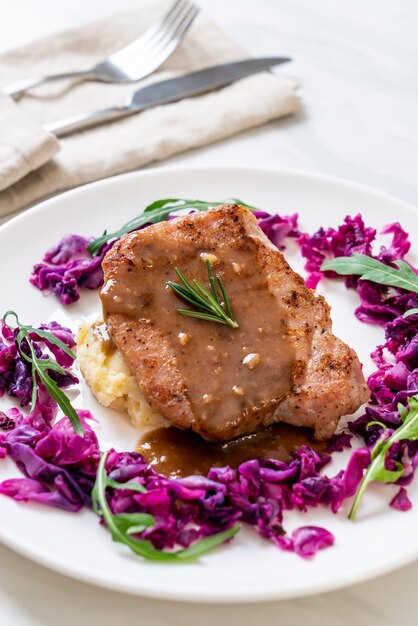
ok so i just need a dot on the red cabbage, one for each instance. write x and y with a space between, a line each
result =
256 493
60 468
68 266
353 473
15 372
307 540
59 464
400 500
277 228
396 376
6 422
349 238
338 442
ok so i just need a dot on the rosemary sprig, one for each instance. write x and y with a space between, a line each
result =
209 305
41 366
377 469
123 526
158 211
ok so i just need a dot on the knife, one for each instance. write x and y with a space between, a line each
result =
166 91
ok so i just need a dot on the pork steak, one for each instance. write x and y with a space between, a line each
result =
281 364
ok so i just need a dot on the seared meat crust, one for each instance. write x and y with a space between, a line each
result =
325 377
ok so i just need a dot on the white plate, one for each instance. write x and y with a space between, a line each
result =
250 569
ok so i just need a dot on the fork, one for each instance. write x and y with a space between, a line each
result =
134 62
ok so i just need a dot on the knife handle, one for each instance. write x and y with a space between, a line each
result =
75 123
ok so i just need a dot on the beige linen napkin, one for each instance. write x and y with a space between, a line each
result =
24 145
127 144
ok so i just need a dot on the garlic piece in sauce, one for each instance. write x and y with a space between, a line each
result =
252 360
236 267
207 256
238 390
183 338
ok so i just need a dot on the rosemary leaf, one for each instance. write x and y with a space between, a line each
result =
202 316
225 297
183 293
208 304
212 282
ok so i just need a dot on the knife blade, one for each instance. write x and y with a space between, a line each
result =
172 90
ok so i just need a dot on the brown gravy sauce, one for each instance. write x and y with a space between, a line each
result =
178 453
230 375
101 333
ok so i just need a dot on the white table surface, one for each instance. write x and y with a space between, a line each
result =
357 65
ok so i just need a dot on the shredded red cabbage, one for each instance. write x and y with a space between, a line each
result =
338 442
307 540
349 238
60 466
15 372
68 266
400 500
277 228
396 377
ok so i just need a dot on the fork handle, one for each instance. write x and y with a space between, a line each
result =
84 120
16 89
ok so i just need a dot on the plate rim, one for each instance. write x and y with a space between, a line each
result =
207 597
153 171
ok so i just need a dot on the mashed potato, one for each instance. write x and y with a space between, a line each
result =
110 379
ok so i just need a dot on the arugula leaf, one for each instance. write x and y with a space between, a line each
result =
131 485
377 470
49 336
122 526
41 366
132 523
158 211
44 334
371 269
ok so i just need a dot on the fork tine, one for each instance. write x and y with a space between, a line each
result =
170 43
170 26
173 9
134 53
148 37
152 36
167 44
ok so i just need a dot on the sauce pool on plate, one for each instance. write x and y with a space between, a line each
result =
178 453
